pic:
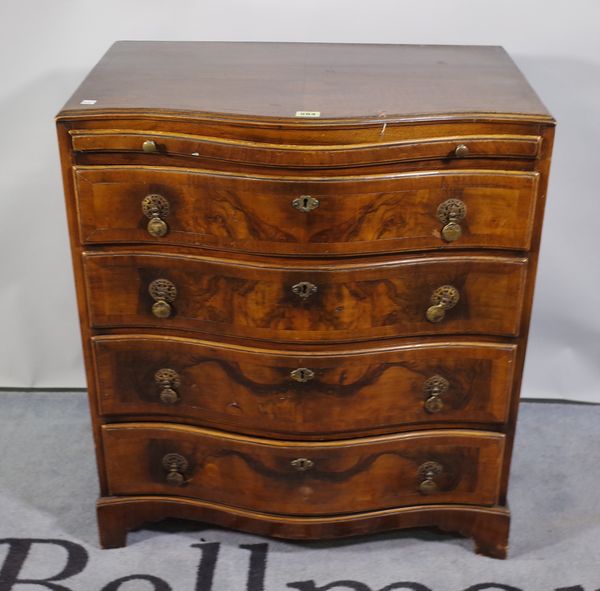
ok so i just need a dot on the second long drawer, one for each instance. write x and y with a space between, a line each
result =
300 302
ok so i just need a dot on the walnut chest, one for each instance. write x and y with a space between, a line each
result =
305 275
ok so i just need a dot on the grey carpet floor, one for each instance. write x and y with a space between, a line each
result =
48 488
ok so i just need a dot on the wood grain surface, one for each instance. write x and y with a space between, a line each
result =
358 215
355 391
313 156
347 476
488 526
280 79
352 302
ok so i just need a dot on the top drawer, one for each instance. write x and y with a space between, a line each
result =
308 156
306 215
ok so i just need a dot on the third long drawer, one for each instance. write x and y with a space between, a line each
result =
305 393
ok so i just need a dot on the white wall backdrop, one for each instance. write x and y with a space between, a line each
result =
46 48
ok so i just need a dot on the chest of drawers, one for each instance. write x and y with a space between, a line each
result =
305 275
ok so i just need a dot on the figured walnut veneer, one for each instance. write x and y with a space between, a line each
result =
353 391
362 215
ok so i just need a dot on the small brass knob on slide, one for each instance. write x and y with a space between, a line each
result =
167 380
156 208
427 474
433 389
461 151
450 213
149 146
163 292
176 466
444 298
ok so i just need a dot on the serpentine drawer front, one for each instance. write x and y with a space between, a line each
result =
304 393
305 304
300 478
459 209
337 301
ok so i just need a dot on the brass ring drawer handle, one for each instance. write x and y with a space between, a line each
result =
450 213
176 466
443 299
302 374
433 389
149 146
163 292
302 464
305 203
427 474
304 289
156 208
167 380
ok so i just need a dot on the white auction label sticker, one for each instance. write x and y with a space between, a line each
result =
308 113
88 102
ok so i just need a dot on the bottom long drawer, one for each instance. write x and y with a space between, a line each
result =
304 478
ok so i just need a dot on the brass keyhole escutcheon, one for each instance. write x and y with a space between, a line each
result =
167 380
433 389
302 374
149 146
442 299
427 474
304 289
156 208
163 292
302 464
450 213
305 203
176 466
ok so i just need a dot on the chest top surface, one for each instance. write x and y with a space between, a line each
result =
278 80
